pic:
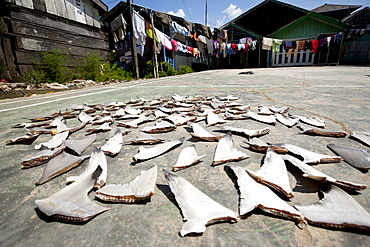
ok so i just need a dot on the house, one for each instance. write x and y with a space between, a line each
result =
29 27
262 20
177 41
313 26
356 47
336 11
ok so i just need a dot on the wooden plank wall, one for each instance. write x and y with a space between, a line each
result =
82 11
32 32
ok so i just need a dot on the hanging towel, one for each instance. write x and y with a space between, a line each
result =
276 45
118 27
138 24
266 43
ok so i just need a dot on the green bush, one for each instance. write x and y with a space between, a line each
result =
89 67
167 69
53 68
184 69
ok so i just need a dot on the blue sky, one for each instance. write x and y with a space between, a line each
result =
221 11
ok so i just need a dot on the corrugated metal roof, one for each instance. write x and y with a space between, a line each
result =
334 7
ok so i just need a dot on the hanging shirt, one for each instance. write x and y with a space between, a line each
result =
138 25
276 45
176 28
314 45
266 43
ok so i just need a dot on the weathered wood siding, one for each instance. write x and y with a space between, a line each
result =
82 11
29 31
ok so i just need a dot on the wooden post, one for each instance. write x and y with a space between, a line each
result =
133 43
154 53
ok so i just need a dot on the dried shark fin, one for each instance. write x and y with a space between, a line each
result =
141 188
363 137
78 146
198 209
148 153
213 119
264 110
287 121
72 203
60 164
159 127
135 123
309 156
83 117
201 133
187 158
337 209
102 128
255 195
258 145
225 151
144 138
177 120
114 144
97 158
269 119
43 156
315 121
274 174
247 132
25 139
356 157
55 141
316 132
310 172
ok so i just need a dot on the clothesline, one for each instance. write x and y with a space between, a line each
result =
289 45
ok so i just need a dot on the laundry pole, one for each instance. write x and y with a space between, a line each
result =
133 43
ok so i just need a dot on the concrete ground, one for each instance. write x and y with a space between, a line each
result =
339 95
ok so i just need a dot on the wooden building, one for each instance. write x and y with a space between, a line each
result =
29 27
262 20
356 47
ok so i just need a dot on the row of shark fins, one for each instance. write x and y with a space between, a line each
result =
255 188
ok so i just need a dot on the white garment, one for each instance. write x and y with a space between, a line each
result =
138 23
163 39
266 43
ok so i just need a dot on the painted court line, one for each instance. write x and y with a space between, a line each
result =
81 95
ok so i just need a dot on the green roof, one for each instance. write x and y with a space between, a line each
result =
310 25
243 30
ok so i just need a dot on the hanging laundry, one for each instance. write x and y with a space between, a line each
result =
209 46
276 45
328 39
196 53
174 45
266 43
202 39
138 24
321 42
163 39
118 27
314 45
176 28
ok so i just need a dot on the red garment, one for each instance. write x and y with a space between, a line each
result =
314 45
174 45
234 47
246 47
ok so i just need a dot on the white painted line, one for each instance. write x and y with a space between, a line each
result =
81 95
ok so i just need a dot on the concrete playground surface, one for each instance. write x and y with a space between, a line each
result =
339 95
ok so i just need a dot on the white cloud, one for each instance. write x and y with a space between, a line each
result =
221 22
179 13
232 11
